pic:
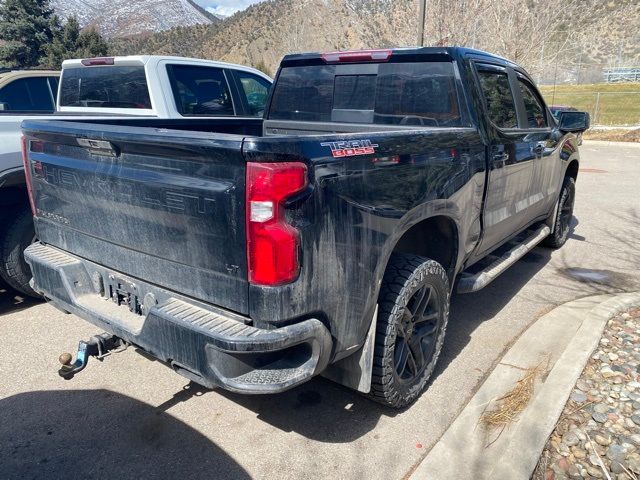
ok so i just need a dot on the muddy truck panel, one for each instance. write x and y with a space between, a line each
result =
325 238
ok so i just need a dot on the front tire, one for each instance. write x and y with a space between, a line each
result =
413 312
562 225
19 234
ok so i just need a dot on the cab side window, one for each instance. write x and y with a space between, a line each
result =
497 92
200 90
536 117
256 90
27 95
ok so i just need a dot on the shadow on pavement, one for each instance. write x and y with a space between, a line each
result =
470 310
320 410
102 434
12 301
344 415
622 252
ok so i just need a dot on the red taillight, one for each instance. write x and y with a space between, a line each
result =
355 56
272 244
91 62
27 174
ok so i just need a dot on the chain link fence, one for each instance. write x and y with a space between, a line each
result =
577 73
610 92
605 107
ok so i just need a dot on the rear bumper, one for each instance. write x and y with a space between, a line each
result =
211 346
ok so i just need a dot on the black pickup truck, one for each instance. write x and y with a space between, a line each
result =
325 238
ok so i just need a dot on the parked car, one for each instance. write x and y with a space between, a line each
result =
325 239
22 93
557 109
144 86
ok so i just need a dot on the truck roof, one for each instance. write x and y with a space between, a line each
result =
7 75
406 52
155 59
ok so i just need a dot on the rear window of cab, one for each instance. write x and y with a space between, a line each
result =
418 94
105 87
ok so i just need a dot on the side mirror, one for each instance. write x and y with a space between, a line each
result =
4 106
573 121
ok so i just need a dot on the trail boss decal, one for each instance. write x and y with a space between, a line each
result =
351 148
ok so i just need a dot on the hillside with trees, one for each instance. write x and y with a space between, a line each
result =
31 35
537 33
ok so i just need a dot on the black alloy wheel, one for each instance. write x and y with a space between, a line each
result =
413 310
417 333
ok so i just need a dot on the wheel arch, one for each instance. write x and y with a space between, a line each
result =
435 237
572 169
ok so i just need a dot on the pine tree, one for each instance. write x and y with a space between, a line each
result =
71 42
91 44
65 41
26 28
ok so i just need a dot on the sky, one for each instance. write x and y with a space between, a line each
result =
225 7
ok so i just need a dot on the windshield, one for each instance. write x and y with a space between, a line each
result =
105 87
420 93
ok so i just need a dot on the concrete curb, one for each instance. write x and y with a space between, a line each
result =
561 341
610 143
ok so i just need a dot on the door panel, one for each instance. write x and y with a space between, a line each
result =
511 160
543 143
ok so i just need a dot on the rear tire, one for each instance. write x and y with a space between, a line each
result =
19 234
562 225
413 310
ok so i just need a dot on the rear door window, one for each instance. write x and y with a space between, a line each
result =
27 95
105 87
420 94
536 117
498 96
304 93
256 91
201 91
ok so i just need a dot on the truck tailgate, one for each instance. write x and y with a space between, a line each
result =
162 205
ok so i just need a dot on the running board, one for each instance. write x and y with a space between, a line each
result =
469 283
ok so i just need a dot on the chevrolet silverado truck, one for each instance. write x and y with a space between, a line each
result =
145 86
325 238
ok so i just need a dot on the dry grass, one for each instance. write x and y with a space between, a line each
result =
613 135
512 403
617 103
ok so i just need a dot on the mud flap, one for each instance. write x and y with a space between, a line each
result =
355 370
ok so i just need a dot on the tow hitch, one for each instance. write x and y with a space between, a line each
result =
98 346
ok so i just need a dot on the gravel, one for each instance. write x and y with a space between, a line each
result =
601 421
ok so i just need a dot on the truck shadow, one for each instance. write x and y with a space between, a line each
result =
12 301
346 415
102 434
470 310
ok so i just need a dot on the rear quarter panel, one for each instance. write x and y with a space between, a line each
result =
355 211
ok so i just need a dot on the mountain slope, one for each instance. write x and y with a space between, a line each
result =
264 32
115 18
536 33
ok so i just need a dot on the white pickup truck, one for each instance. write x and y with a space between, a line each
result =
180 90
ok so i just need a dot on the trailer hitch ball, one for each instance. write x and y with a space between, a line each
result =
65 358
99 346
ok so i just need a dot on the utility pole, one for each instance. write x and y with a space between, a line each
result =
421 19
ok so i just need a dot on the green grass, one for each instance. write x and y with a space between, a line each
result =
619 103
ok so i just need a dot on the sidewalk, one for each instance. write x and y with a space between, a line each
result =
529 388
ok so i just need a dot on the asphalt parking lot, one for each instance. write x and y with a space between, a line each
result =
132 417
